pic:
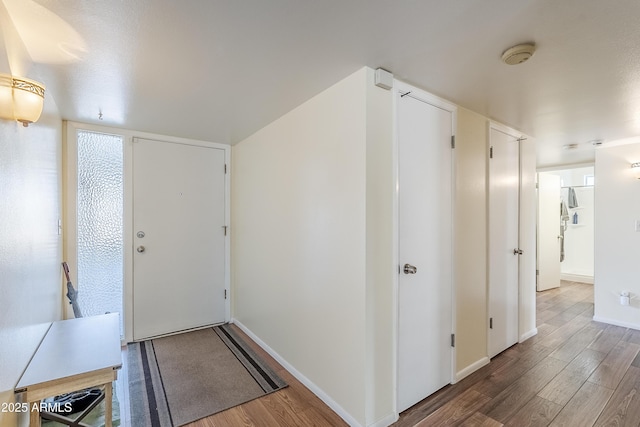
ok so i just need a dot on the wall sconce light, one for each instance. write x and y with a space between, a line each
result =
635 167
20 99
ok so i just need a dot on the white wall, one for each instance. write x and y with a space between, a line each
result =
312 244
470 245
471 233
617 244
381 268
30 248
299 239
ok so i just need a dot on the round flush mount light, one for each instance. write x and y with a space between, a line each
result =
518 54
570 146
596 142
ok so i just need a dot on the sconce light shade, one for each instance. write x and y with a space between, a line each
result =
636 169
28 100
20 99
6 97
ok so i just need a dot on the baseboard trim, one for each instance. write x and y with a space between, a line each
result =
335 407
385 422
460 375
616 322
528 335
577 278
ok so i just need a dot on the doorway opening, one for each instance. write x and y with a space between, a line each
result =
573 225
565 240
102 201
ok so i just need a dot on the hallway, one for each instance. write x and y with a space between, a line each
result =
575 372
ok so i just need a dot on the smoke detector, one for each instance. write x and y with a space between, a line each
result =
518 54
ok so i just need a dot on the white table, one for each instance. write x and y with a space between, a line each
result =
75 354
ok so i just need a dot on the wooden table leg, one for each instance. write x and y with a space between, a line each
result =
108 398
34 415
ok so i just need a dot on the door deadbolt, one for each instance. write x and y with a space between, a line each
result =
410 269
517 251
140 234
140 249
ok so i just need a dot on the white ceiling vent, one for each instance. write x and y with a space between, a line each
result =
518 54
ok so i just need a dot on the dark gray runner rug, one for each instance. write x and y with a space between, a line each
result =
179 379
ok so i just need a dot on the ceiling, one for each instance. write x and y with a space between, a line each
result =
219 70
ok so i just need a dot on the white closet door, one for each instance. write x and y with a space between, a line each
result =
504 192
549 233
425 242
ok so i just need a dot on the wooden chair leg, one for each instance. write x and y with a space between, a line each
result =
108 399
34 415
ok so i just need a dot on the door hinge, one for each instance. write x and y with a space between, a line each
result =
453 141
453 340
225 229
491 152
225 168
225 294
491 323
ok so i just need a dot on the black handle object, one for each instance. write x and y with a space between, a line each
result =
72 293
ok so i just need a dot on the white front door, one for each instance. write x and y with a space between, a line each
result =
425 243
178 237
549 233
504 213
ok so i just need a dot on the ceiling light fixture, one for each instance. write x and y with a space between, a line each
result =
21 99
570 146
636 169
518 54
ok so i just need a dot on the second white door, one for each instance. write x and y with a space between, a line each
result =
179 237
425 244
550 234
504 225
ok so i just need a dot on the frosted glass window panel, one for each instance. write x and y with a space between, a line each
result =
100 224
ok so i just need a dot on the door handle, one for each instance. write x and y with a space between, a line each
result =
140 249
517 251
410 269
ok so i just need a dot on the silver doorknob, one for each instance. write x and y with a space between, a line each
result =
410 269
517 251
140 249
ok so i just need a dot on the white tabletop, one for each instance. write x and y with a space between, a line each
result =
74 347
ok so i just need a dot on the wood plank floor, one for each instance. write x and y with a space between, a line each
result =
295 405
575 372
